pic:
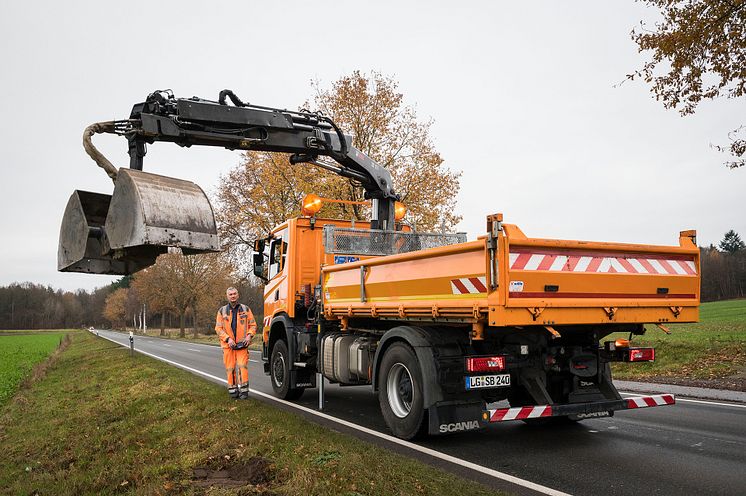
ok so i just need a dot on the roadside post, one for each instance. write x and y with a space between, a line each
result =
320 382
132 344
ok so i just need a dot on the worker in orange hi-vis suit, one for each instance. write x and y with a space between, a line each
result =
236 326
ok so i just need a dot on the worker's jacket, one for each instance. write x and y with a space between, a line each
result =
245 325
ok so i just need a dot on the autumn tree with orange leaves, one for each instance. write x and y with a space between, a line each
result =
115 308
265 189
698 53
180 283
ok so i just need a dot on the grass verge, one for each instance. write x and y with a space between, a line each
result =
102 422
713 349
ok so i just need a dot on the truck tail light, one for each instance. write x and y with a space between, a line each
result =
485 364
642 354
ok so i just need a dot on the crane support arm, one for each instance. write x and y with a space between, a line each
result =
305 135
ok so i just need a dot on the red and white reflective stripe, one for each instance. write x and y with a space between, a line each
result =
610 263
538 411
469 285
648 401
267 320
525 412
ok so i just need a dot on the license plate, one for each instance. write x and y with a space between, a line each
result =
487 381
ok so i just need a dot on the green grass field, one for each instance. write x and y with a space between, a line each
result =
103 422
713 348
19 352
723 311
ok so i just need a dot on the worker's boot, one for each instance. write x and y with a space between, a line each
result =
233 391
243 391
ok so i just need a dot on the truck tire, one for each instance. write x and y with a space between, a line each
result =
279 370
400 392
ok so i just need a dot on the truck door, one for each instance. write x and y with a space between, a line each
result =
276 289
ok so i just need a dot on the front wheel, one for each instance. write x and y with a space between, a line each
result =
279 367
400 392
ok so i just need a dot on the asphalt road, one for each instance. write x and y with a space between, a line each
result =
693 447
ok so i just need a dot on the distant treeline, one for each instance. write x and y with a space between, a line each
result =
34 306
723 274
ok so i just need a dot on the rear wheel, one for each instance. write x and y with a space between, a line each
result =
400 392
279 368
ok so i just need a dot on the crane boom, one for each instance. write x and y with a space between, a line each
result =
147 213
242 126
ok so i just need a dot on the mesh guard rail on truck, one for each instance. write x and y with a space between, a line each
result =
372 242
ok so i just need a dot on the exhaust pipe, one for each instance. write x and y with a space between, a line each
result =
125 232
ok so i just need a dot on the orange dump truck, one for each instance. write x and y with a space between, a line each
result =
443 328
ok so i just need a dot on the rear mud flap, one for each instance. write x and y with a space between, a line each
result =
446 419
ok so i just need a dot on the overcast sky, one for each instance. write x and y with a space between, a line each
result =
524 96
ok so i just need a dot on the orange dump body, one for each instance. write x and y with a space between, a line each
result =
536 282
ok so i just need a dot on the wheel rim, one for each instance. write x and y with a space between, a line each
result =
399 390
278 370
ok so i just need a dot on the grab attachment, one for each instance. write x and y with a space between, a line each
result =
125 232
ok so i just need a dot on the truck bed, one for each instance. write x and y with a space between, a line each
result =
538 282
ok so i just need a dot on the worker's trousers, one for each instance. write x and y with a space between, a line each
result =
231 358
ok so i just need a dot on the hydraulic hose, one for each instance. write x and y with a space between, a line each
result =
92 151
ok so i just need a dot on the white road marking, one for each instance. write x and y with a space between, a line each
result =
711 403
431 452
192 349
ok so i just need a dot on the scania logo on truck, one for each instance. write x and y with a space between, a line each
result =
592 415
459 426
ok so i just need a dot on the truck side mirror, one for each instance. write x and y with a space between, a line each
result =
258 260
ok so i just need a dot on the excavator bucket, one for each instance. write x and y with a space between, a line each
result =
81 235
125 232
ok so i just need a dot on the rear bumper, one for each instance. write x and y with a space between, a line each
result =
579 411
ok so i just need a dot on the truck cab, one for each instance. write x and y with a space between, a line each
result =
289 260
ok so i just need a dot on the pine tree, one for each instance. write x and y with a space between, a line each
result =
732 242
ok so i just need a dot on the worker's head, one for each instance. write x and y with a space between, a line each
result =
232 294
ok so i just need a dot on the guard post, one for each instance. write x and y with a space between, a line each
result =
132 344
320 382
